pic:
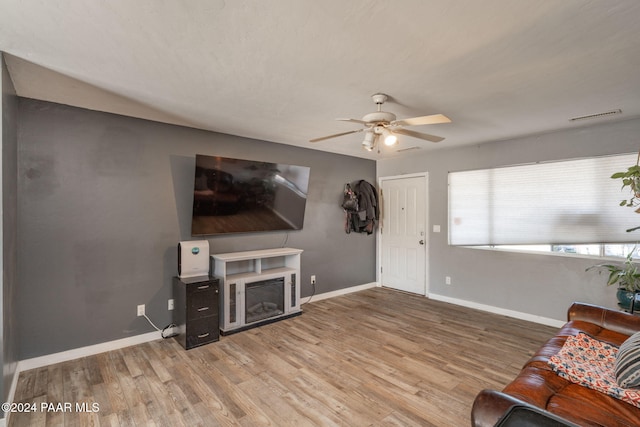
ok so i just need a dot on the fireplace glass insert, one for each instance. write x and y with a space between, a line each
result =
264 299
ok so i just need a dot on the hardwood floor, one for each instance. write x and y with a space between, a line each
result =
376 357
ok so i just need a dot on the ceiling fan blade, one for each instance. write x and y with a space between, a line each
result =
433 119
353 121
418 135
335 136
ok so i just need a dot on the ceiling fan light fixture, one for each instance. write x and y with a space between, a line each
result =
369 141
389 138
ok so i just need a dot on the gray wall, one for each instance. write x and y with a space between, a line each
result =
104 200
542 285
8 260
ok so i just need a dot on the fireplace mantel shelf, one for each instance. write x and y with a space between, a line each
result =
262 253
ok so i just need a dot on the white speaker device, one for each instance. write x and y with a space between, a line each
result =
193 258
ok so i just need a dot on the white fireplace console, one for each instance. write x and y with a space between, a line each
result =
257 287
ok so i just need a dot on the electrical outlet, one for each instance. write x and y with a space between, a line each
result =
447 280
170 305
141 310
313 279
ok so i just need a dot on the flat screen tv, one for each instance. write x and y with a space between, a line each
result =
243 196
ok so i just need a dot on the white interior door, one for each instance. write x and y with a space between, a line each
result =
403 234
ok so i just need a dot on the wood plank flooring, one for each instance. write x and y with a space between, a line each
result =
373 358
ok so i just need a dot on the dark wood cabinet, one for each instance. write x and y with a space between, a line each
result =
196 311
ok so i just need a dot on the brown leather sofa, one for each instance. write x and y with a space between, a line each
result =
539 386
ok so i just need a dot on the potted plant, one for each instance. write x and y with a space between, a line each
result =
627 276
631 178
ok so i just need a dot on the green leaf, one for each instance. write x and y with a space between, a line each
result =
613 278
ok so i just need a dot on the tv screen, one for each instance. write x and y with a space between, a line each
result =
242 196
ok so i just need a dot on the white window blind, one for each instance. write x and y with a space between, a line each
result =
573 201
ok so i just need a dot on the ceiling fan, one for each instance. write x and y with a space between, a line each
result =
382 123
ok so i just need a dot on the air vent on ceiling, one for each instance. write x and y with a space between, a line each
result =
597 115
407 149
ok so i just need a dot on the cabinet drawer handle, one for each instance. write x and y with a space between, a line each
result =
203 309
204 287
203 335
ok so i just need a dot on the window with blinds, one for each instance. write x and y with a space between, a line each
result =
556 203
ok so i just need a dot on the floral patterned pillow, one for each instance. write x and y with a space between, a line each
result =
590 362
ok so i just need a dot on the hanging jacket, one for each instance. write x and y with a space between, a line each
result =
368 200
364 219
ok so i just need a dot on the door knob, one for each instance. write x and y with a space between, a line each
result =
421 242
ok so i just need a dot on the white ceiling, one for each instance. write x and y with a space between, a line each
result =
283 70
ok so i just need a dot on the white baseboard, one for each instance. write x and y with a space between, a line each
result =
502 311
38 362
64 356
12 393
338 292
